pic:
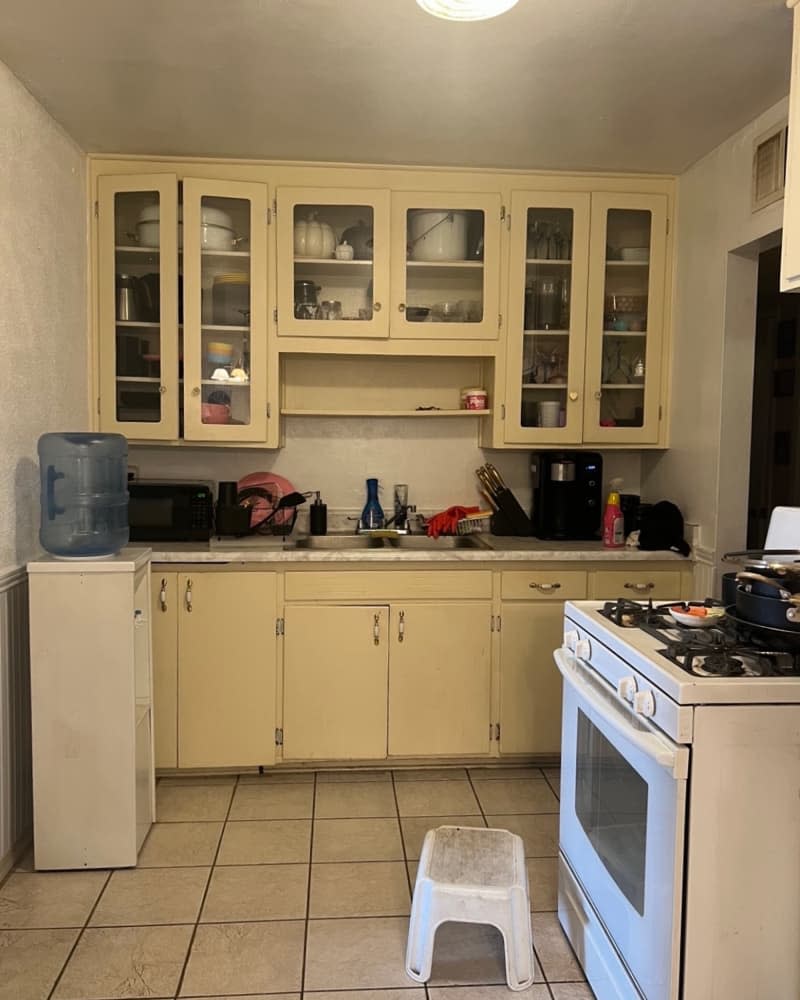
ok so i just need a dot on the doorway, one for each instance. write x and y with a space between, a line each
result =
775 428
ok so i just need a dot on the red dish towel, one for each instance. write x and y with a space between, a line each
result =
446 521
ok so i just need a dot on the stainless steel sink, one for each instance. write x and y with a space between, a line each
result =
338 542
427 544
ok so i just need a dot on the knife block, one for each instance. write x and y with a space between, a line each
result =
510 518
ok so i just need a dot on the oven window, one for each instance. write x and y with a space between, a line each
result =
611 804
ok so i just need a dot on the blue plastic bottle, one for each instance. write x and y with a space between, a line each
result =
84 494
372 515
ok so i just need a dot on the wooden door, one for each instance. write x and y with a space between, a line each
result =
226 669
335 667
164 615
439 683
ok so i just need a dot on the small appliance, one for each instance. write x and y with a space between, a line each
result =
170 511
567 499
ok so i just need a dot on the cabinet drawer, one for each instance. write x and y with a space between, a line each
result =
636 583
544 584
358 586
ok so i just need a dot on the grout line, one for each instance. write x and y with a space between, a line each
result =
402 841
477 799
205 891
302 984
68 959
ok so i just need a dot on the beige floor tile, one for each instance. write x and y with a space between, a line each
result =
192 803
282 800
543 883
110 963
25 863
358 953
539 832
30 962
552 773
178 845
49 899
277 778
232 959
415 828
430 774
354 774
418 994
252 996
553 949
555 783
360 889
265 842
572 991
528 795
504 772
538 991
352 799
185 780
442 798
256 892
470 954
412 867
357 840
139 896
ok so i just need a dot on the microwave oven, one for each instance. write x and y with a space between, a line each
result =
170 512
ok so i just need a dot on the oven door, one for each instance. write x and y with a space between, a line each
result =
623 815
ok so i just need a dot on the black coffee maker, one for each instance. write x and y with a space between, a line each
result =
567 494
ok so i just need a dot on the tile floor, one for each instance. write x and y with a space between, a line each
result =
281 886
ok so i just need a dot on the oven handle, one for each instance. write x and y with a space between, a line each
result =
673 758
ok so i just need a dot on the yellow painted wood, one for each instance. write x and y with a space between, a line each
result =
545 584
446 288
226 670
390 586
578 277
530 684
790 249
194 191
334 682
164 189
635 583
602 204
165 668
378 200
439 679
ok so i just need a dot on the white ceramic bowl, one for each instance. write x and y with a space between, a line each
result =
712 617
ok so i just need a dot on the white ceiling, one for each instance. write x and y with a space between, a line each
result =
646 85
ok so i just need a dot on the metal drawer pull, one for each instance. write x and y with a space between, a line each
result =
640 588
401 628
162 596
188 595
546 588
376 630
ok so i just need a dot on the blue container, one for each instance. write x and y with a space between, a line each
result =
372 515
84 494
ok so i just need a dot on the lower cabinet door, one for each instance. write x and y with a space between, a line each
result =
335 666
530 684
226 669
439 679
164 618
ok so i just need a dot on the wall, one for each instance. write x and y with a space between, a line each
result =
43 383
705 471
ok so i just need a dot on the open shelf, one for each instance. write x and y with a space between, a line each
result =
387 413
330 266
226 384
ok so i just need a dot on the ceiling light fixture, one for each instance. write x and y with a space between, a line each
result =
466 10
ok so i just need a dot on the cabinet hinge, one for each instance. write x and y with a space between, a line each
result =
278 737
275 208
502 411
98 406
494 731
494 623
508 222
97 210
275 315
497 731
269 216
667 226
659 411
502 212
499 321
280 626
269 410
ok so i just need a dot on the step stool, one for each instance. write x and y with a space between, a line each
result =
477 876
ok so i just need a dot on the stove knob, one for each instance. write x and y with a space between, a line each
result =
626 688
644 703
571 640
583 650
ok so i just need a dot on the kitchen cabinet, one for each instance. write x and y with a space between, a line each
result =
640 582
182 291
216 664
790 245
164 618
586 318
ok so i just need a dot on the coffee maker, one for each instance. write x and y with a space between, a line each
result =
567 494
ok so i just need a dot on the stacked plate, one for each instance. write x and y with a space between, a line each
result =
639 255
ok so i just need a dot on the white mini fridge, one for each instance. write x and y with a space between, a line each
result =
91 710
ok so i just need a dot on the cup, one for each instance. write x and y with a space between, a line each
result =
549 413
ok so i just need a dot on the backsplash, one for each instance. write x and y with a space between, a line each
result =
335 455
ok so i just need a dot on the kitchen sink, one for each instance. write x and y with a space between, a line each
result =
427 544
343 542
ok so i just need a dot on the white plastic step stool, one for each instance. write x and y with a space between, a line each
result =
477 876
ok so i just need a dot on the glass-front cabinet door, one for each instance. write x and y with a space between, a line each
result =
138 305
333 262
225 310
625 318
548 256
445 266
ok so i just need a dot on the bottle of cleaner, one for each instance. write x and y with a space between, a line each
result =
613 523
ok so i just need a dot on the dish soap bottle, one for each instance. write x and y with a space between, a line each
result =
613 522
318 516
372 515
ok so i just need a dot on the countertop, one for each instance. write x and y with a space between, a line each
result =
493 548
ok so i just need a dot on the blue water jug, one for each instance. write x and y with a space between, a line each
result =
84 494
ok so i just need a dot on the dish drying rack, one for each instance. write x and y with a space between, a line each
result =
474 524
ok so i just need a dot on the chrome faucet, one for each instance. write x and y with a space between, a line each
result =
402 509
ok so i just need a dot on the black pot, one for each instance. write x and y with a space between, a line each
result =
772 612
729 586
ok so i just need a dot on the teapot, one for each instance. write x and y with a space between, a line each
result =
360 239
313 238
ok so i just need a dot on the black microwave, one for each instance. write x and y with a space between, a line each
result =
170 512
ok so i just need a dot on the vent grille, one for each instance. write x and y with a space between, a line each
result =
769 167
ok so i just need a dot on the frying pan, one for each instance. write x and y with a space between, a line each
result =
767 586
770 612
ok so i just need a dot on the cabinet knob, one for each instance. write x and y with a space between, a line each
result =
640 588
573 396
598 395
546 588
196 390
376 306
402 307
162 389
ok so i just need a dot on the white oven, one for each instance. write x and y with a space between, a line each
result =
623 821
